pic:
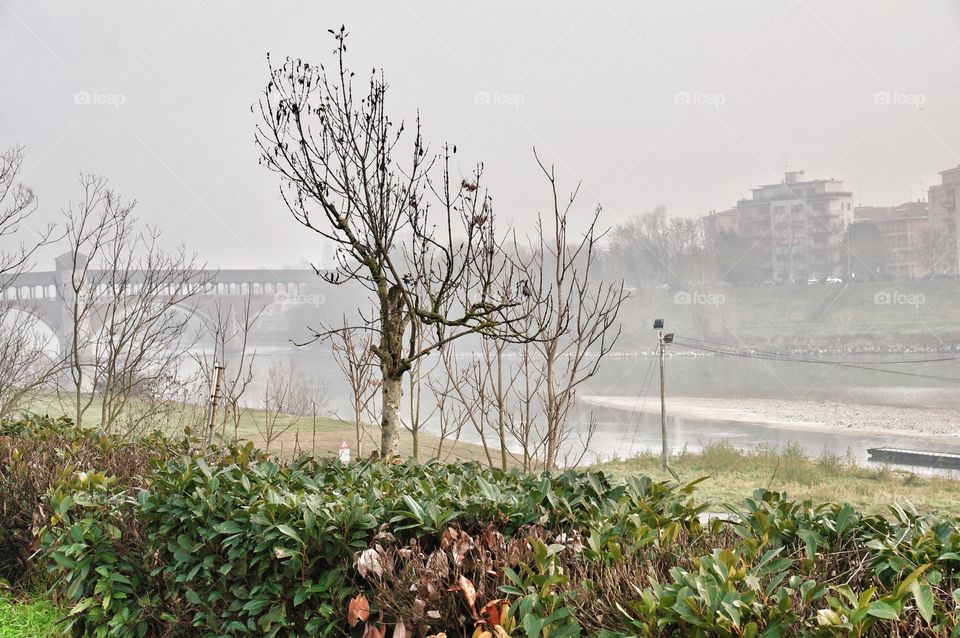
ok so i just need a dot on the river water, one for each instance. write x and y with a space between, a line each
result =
624 432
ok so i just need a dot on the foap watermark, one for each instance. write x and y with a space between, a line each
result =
696 298
699 98
897 298
899 98
283 301
496 98
96 98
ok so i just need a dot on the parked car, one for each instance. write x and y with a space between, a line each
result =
812 280
834 280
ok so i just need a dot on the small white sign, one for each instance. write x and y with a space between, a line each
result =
344 454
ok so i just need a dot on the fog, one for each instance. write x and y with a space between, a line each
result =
592 85
661 113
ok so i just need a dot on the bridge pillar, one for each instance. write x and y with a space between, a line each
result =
61 322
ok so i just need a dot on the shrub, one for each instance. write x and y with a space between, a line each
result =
232 544
36 455
102 563
253 551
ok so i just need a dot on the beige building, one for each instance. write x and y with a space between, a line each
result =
719 223
904 239
799 226
944 230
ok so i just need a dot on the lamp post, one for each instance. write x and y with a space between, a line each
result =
662 339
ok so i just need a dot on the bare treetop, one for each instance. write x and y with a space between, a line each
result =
419 239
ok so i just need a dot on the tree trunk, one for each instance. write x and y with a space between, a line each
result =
392 366
392 394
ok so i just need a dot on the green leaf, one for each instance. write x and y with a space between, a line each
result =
532 625
906 582
228 527
414 508
289 531
82 606
880 609
923 596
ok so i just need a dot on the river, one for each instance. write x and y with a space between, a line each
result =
625 432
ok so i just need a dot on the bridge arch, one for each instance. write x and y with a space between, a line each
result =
45 335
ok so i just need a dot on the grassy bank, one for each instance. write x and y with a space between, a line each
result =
28 618
735 474
300 433
866 316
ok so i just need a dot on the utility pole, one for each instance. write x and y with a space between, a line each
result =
662 340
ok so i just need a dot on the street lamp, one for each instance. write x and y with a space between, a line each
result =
662 339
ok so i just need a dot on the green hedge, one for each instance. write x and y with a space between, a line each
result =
232 544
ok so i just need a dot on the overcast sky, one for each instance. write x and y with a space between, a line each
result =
685 104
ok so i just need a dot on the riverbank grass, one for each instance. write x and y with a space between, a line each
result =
734 474
28 618
297 434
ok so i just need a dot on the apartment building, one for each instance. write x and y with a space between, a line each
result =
942 199
900 244
798 226
718 223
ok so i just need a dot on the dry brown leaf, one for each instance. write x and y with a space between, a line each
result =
375 631
358 610
469 591
400 630
490 612
448 537
418 606
368 562
460 549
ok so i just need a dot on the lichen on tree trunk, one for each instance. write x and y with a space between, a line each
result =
394 321
390 422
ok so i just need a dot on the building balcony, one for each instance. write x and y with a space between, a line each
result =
825 230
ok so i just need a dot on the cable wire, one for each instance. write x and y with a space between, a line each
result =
644 391
784 354
786 358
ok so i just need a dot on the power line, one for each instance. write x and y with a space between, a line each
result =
781 357
644 393
785 354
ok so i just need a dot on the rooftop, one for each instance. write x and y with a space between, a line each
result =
907 210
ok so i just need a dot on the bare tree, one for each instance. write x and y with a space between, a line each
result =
26 360
935 253
487 388
525 421
654 248
451 414
577 314
17 204
353 352
434 277
287 398
419 412
463 397
128 307
229 333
